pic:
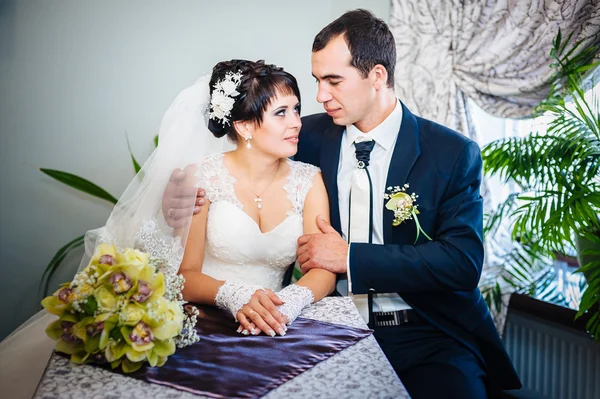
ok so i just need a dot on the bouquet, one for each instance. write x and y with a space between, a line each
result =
122 309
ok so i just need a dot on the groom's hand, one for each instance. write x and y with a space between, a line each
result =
323 251
180 196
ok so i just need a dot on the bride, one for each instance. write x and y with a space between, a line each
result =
261 202
235 252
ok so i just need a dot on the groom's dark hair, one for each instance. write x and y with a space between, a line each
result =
369 40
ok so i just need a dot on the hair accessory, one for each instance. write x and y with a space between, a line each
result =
223 97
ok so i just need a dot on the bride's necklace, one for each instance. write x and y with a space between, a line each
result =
257 197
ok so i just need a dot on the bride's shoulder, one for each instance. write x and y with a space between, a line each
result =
211 162
302 174
210 167
214 178
211 159
301 179
302 167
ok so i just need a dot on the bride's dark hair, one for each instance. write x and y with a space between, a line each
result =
259 85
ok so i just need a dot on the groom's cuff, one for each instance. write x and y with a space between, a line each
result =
348 269
356 257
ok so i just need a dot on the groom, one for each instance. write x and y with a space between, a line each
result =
425 308
422 302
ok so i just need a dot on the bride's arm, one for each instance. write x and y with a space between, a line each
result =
198 288
321 282
317 283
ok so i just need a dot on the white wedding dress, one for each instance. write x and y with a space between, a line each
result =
236 250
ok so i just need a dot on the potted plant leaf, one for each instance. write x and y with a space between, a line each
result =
557 172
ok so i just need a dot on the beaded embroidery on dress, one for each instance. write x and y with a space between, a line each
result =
236 249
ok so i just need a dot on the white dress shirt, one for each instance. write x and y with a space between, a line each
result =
385 136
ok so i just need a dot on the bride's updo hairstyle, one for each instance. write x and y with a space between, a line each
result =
260 83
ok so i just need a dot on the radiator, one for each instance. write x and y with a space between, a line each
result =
553 361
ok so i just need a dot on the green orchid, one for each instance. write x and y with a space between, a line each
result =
115 350
110 322
140 337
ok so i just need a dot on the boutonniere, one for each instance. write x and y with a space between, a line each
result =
404 207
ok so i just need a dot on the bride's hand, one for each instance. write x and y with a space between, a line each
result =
261 314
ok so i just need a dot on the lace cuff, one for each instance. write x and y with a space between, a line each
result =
232 296
295 298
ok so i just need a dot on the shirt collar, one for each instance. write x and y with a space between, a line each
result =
383 134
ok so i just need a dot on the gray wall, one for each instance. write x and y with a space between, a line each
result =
75 76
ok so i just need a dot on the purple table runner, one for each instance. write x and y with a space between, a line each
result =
225 364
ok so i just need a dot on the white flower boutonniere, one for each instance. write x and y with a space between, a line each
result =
404 207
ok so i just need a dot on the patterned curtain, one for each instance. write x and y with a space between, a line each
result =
494 52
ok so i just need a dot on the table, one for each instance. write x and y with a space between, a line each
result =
359 371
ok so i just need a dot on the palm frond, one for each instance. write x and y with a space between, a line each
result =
522 159
79 183
521 269
60 255
557 172
136 165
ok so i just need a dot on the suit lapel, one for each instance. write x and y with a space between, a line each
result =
330 157
406 152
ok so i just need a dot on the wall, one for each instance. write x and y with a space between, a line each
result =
76 76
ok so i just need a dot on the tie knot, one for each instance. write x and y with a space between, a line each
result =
363 152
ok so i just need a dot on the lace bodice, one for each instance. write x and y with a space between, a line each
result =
236 249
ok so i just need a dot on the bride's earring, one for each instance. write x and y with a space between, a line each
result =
248 145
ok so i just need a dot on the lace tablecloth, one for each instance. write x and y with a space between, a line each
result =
360 371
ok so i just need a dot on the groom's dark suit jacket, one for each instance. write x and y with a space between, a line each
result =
438 278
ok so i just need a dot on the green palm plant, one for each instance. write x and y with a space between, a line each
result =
86 186
557 175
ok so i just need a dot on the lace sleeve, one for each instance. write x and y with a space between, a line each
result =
295 298
232 296
299 182
212 176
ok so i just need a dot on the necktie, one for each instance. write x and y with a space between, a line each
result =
360 222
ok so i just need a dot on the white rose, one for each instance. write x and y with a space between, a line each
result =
217 98
227 105
217 112
229 88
